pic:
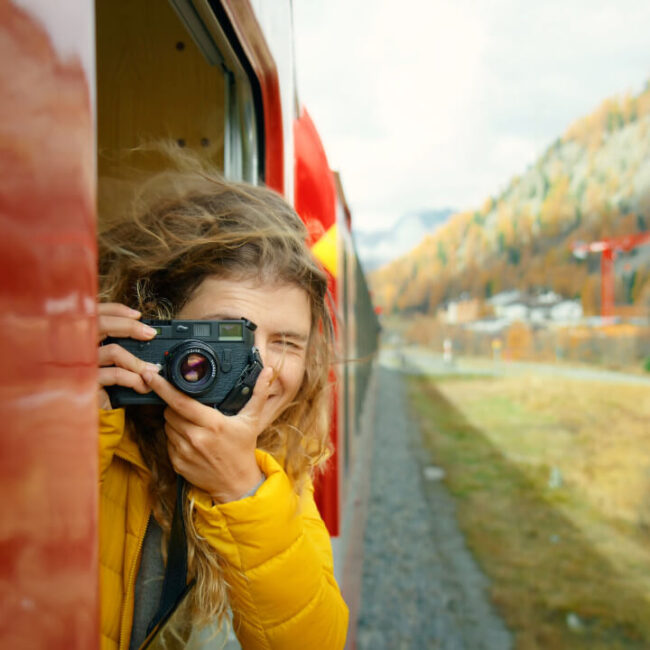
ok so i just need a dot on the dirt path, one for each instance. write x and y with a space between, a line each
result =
420 587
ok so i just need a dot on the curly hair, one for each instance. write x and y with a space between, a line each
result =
179 227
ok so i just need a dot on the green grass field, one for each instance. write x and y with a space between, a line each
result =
552 482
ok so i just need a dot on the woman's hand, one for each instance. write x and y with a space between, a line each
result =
116 365
214 452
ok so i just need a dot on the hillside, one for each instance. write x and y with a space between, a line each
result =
592 182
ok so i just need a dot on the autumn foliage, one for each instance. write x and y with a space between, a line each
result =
592 182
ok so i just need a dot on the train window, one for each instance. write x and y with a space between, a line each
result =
168 71
210 29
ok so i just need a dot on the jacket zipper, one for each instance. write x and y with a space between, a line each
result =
130 586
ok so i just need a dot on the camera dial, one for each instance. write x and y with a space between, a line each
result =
192 367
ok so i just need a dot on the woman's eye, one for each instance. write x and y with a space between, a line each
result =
284 343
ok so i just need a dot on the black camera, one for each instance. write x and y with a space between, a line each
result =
215 362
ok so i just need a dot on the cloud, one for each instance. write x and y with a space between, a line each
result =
427 104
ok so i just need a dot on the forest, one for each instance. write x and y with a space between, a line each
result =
592 182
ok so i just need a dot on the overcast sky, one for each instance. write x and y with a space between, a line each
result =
430 103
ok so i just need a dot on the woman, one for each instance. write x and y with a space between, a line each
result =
197 247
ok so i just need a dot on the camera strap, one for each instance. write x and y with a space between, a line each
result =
242 391
175 581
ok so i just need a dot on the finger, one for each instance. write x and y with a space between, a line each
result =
115 355
115 310
115 376
181 453
175 455
181 425
175 439
255 404
120 326
189 408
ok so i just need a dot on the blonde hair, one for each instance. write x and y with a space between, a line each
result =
179 227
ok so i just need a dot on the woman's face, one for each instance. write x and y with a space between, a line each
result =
283 318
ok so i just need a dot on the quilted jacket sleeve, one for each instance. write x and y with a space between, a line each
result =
111 432
280 569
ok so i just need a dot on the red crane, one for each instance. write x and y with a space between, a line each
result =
608 248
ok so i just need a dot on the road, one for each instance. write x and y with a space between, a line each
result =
415 359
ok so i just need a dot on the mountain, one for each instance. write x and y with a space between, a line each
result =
592 182
376 248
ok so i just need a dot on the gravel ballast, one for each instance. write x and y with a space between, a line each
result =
421 587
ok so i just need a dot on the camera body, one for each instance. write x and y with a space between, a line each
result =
215 362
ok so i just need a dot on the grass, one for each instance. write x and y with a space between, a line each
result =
552 484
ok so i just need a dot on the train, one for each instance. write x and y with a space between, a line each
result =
81 82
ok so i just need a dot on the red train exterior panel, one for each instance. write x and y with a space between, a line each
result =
48 440
315 202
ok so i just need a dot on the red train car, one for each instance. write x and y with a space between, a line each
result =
80 83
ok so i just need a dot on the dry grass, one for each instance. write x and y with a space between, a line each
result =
574 545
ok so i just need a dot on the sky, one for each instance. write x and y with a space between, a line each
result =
426 104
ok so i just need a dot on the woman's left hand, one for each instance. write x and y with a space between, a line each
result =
212 451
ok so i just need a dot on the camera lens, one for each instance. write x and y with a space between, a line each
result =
194 367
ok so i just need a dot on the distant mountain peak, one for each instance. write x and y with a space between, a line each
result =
377 248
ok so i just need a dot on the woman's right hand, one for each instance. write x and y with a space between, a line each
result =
117 367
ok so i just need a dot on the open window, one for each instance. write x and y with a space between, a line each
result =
173 71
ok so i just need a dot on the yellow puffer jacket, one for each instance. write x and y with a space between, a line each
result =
283 592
